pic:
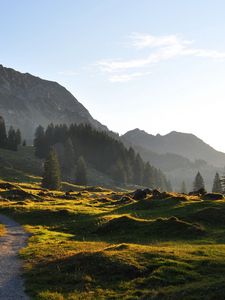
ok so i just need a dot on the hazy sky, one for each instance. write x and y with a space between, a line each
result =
158 65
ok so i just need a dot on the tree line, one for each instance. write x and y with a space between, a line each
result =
9 140
79 147
198 184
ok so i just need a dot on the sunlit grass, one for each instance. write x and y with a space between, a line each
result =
2 230
70 256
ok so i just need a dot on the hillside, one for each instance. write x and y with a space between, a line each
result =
183 144
170 247
177 167
27 101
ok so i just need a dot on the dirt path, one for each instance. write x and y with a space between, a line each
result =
11 282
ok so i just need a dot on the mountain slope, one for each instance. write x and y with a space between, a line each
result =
27 101
184 144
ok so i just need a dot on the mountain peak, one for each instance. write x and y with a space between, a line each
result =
184 144
27 101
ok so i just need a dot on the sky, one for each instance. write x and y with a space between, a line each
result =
157 65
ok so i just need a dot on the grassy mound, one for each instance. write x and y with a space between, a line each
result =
210 215
161 228
111 265
150 203
17 193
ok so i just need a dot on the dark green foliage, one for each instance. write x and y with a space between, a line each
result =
69 157
217 186
10 141
183 188
40 143
198 182
139 170
18 137
81 172
13 142
51 177
100 151
3 135
119 173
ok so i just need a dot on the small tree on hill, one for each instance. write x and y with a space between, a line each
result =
52 177
198 182
81 172
217 186
183 188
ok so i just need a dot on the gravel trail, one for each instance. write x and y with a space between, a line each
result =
11 282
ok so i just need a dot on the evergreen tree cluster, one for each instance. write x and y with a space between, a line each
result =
10 140
81 145
218 184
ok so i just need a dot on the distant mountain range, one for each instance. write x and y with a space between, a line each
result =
182 144
178 154
27 101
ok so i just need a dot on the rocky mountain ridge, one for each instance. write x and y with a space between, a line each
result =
27 101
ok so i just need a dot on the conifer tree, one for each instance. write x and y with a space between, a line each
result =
18 137
198 182
81 172
12 143
3 135
138 170
119 173
217 186
40 143
51 177
69 157
148 176
183 188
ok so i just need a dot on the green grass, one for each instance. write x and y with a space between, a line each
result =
20 166
2 230
94 246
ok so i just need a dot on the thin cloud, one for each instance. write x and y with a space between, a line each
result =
161 48
127 77
68 73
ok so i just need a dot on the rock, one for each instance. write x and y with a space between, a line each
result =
139 194
212 196
200 192
160 195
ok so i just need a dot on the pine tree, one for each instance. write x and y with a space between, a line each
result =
12 143
198 182
51 177
69 157
183 189
40 143
18 137
217 186
3 135
119 173
148 176
81 172
138 170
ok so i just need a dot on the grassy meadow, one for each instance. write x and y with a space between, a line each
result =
2 230
95 243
